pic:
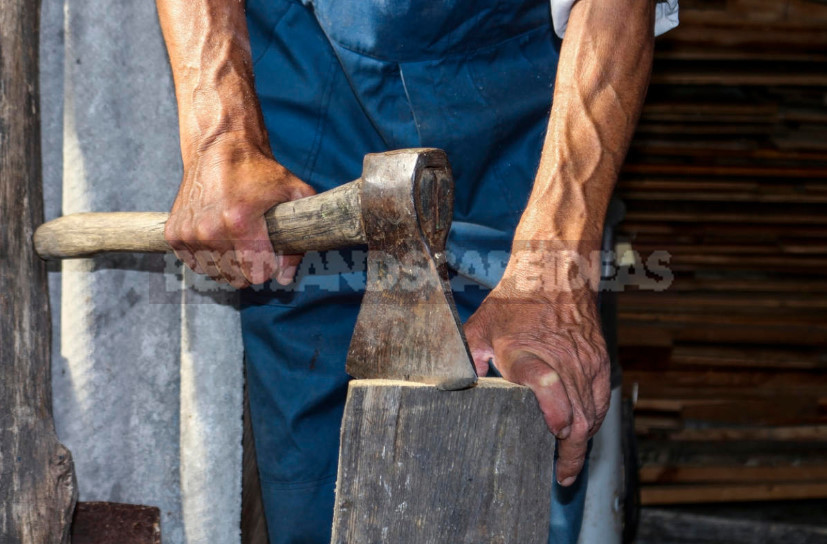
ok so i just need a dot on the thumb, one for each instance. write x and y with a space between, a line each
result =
287 266
479 344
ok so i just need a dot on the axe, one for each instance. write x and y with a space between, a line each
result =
408 327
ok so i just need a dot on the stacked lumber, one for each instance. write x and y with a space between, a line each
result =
728 174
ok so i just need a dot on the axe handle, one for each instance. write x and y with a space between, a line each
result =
329 220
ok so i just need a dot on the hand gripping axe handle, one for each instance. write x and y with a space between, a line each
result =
401 208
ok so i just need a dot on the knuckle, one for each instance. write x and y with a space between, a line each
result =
185 232
206 232
235 221
580 428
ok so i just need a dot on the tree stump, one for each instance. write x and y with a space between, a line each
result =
420 465
37 479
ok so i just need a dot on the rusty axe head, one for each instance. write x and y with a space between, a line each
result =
408 327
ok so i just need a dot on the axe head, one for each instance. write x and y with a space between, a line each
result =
408 327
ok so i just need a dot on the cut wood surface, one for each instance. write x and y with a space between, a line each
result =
420 465
37 479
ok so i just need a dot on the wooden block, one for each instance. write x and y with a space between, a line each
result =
422 465
115 523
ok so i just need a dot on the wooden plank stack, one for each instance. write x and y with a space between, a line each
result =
728 173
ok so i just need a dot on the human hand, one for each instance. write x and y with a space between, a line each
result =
217 227
551 341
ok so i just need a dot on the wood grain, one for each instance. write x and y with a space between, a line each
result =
688 494
329 220
422 465
37 479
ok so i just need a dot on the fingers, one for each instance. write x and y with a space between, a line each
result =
590 402
571 451
217 224
172 233
257 261
548 388
568 408
287 265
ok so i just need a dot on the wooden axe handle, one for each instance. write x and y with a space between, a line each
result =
329 220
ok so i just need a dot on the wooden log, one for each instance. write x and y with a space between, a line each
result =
116 523
427 466
37 480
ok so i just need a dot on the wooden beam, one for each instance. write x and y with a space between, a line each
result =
37 479
677 474
422 465
678 527
689 494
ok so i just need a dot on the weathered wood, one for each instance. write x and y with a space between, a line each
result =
115 523
332 219
37 481
420 465
674 527
683 474
688 494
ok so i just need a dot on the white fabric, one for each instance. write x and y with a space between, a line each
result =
666 15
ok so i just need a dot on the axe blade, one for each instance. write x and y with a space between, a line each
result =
408 327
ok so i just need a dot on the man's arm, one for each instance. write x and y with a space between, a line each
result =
230 177
540 324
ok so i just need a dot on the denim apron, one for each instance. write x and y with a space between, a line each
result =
341 78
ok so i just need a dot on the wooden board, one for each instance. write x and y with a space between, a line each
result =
37 479
688 494
427 466
675 527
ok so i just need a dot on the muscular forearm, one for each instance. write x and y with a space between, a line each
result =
540 325
216 224
209 50
602 77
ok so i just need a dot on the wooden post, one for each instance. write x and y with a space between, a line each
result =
420 465
37 479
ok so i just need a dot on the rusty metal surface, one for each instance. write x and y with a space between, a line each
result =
116 523
408 327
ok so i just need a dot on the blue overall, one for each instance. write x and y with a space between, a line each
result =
341 78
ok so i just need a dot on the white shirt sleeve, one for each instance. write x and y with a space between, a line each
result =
666 15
